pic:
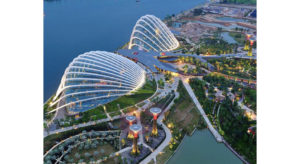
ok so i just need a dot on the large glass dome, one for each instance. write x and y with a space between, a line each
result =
150 33
95 78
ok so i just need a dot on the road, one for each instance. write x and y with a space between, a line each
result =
218 137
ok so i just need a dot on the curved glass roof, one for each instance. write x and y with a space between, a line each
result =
95 78
150 33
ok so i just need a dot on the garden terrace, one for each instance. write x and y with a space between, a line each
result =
143 93
221 82
183 117
84 147
51 140
241 68
230 121
214 46
235 126
90 115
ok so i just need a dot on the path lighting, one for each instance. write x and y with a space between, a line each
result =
135 128
155 112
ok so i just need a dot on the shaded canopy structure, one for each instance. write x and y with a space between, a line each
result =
150 33
96 78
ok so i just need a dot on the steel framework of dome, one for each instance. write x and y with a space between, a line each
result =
150 33
96 78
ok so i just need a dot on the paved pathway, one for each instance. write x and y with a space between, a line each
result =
218 137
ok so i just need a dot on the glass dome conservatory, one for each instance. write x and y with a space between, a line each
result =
95 78
150 33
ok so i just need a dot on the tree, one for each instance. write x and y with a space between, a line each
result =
71 160
185 69
198 51
87 155
77 155
123 140
87 146
102 151
96 153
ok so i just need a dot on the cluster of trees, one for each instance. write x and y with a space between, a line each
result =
221 82
198 87
248 2
193 61
235 126
243 68
250 98
83 145
214 46
197 12
161 83
232 122
51 140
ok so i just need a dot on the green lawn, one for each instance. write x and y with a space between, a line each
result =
128 100
184 115
238 37
116 113
162 158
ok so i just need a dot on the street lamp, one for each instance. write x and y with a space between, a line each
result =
155 112
135 128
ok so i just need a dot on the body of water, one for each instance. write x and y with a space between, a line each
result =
202 147
72 27
231 27
231 19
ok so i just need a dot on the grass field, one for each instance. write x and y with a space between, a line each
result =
128 100
238 37
162 158
184 114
